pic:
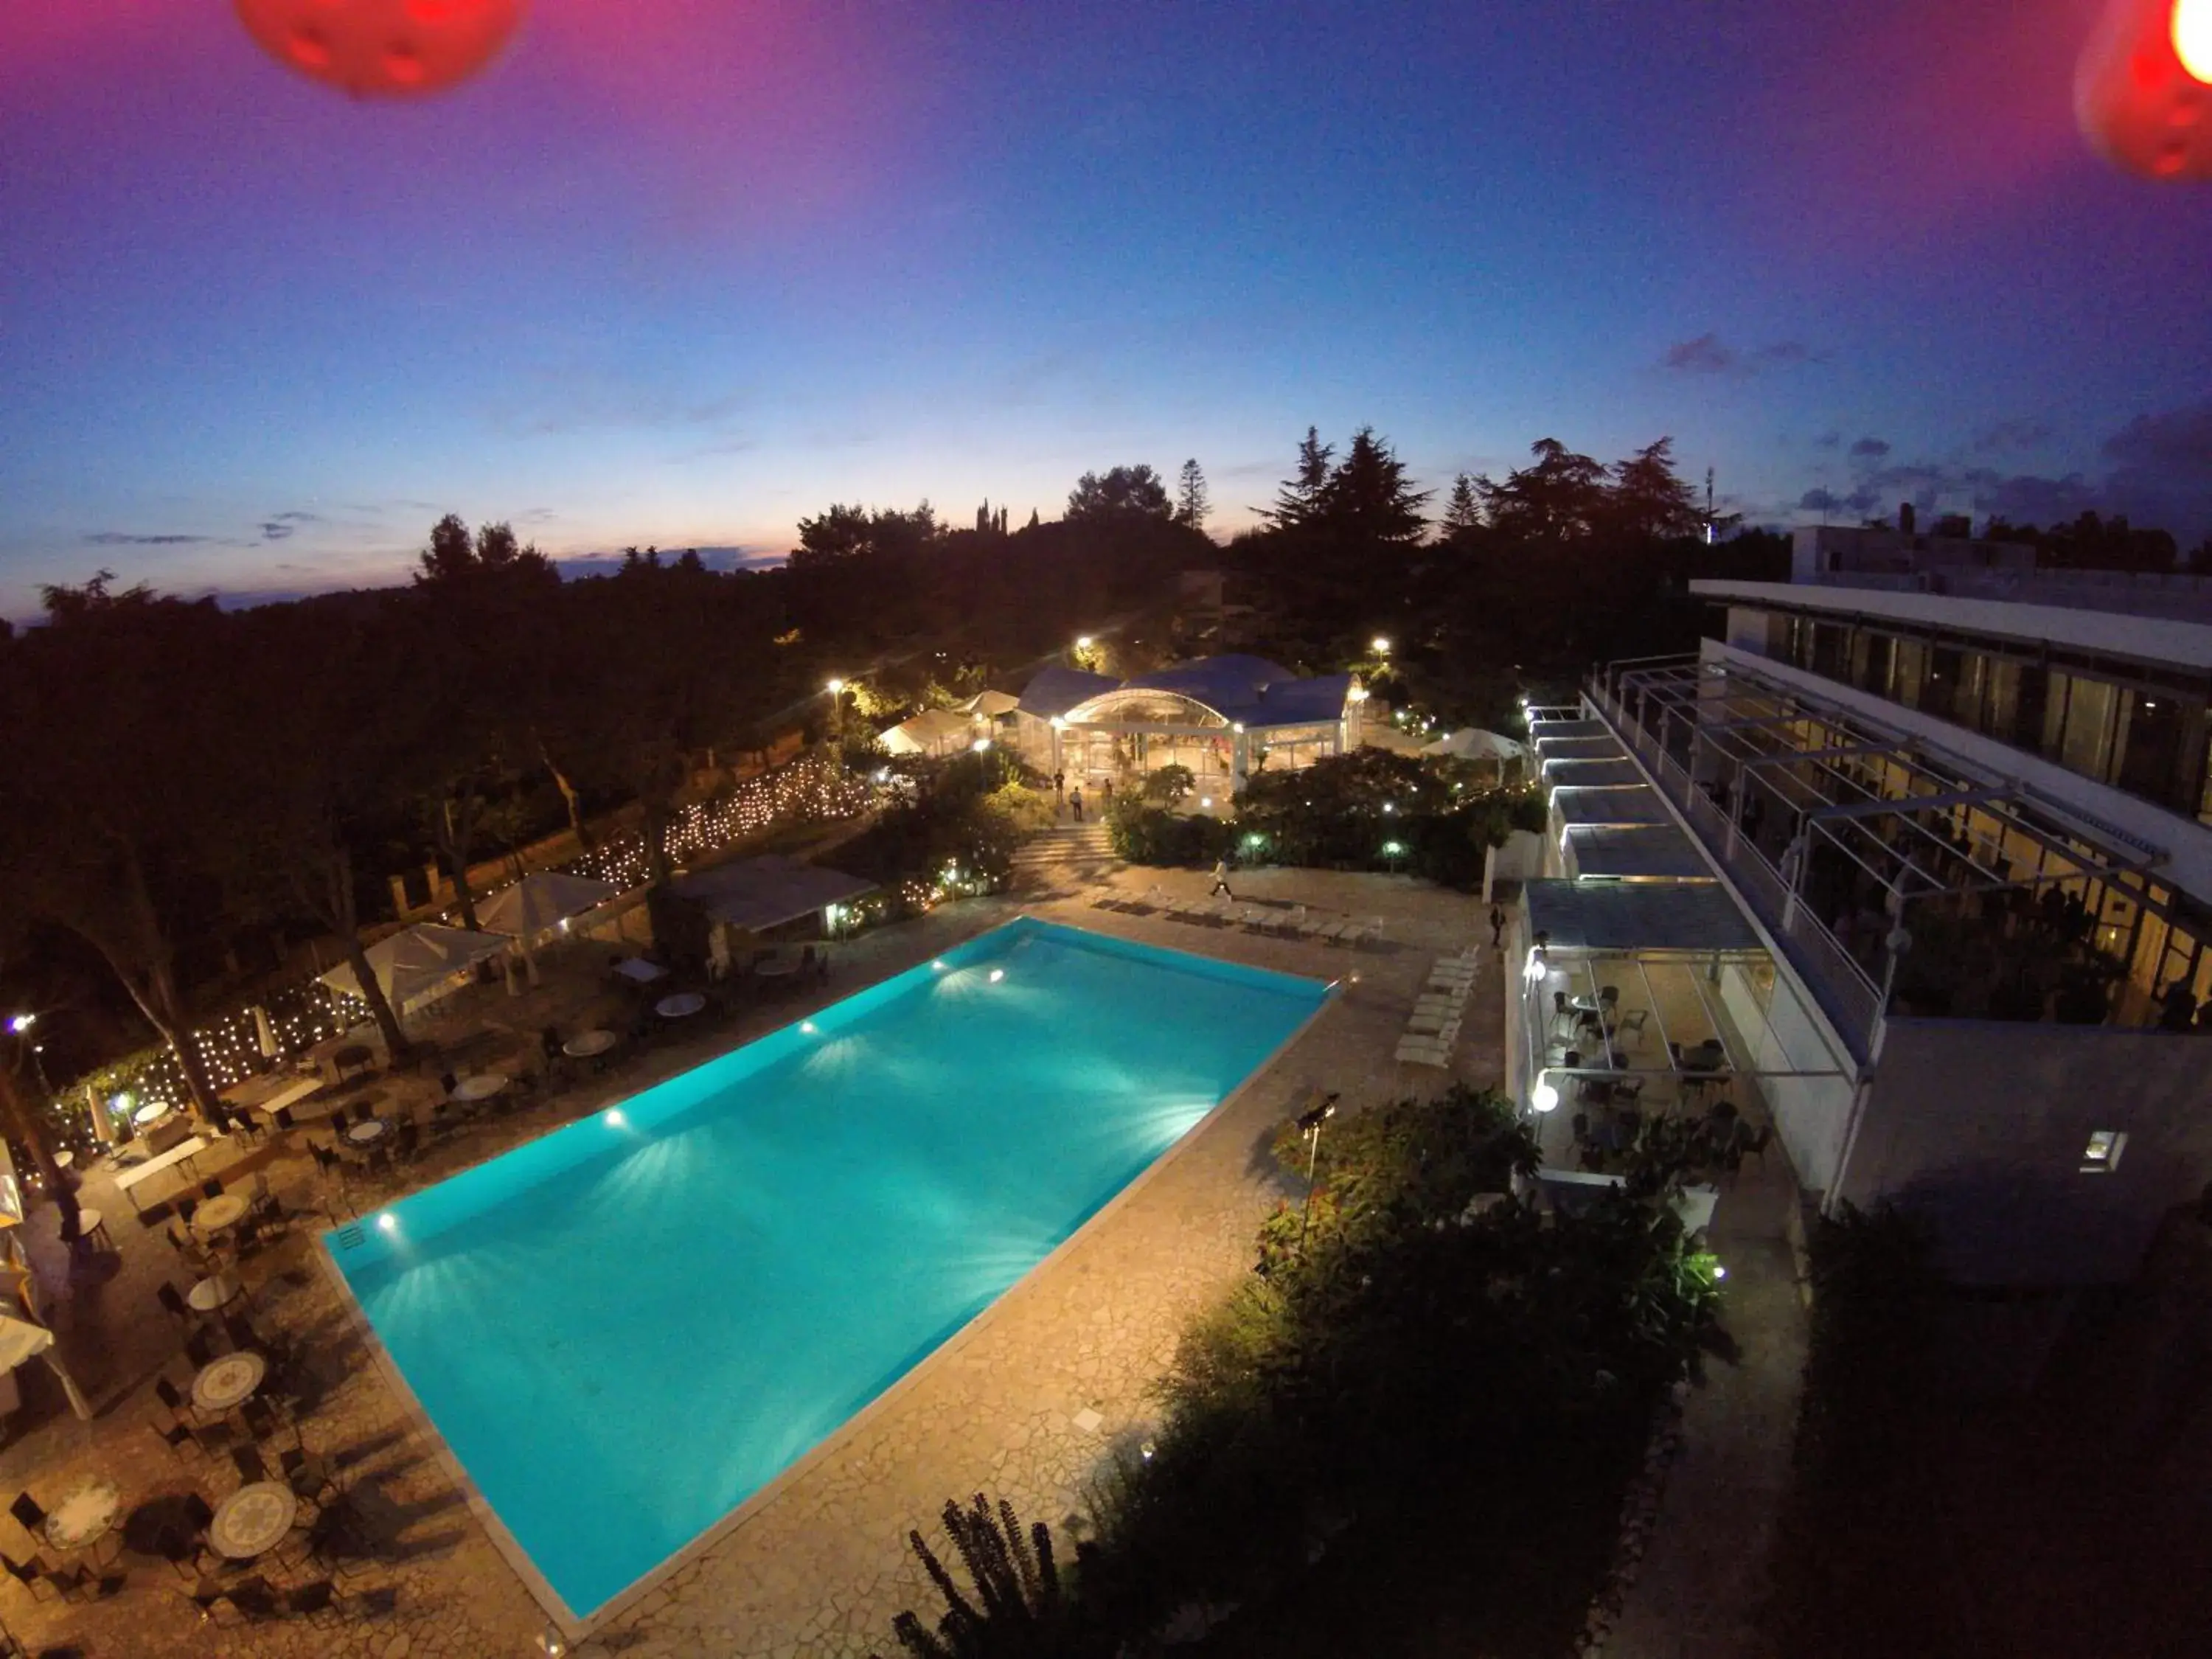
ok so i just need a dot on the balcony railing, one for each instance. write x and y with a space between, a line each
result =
1851 999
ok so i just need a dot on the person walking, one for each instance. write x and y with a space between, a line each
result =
1221 878
1497 928
1075 802
1059 785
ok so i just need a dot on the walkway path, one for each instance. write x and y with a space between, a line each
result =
1704 1575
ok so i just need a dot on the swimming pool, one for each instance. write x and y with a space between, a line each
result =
626 1328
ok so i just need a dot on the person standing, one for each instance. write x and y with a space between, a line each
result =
1497 926
1075 802
1221 878
1059 785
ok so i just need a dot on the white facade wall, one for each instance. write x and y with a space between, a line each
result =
1984 1123
1811 1113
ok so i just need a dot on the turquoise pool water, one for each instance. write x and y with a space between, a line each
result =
626 1328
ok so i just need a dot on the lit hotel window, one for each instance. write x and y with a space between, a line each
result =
2102 1155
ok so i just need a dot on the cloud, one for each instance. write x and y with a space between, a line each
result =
2011 435
1711 355
1828 440
120 539
2157 473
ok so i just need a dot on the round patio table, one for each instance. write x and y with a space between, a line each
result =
64 1158
227 1210
370 1133
589 1045
216 1292
682 1005
252 1521
229 1380
483 1086
152 1112
84 1515
775 968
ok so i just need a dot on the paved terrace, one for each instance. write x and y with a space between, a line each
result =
822 1566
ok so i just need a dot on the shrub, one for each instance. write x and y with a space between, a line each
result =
1152 835
1372 810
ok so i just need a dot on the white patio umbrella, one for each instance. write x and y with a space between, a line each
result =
1473 743
20 1340
264 1036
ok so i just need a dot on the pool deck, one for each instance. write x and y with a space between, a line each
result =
821 1566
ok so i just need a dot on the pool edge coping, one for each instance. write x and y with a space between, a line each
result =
578 1628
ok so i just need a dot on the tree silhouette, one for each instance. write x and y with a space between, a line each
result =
1121 492
1193 504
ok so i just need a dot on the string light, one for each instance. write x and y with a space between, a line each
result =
811 790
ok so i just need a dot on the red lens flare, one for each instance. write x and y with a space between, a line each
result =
383 48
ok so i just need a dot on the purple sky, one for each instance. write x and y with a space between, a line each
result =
681 271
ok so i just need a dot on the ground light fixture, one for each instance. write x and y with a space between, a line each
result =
551 1645
1310 1124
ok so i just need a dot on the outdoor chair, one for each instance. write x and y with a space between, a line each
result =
176 1436
186 1207
1631 1024
70 1584
198 1350
406 1143
173 1301
353 1057
28 1515
211 1187
210 1597
1607 995
282 1117
312 1480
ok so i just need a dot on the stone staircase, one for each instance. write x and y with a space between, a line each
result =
1067 854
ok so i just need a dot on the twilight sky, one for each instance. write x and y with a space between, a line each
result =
680 272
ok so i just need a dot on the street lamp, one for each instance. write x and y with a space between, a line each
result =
1310 1124
1544 1098
23 1023
1382 645
1083 642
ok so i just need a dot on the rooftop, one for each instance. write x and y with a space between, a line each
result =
1656 916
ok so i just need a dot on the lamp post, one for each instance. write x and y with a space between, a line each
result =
836 688
1309 1125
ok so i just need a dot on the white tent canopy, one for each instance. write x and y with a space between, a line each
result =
933 732
1473 743
757 894
541 901
991 704
420 964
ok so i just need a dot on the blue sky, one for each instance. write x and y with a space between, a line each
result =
683 270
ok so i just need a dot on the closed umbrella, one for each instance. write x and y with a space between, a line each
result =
264 1036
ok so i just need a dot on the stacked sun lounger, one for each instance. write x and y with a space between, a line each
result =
1432 1028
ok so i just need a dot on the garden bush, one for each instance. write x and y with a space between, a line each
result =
1415 1333
1373 809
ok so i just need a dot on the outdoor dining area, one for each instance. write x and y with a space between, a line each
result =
242 1511
1680 1030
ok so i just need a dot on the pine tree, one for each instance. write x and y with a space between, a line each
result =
1368 500
1033 517
1193 504
1462 512
1300 497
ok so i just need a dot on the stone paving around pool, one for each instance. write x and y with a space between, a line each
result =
1025 1404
